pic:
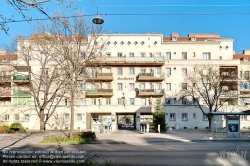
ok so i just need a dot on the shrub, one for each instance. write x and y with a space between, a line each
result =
17 127
8 130
87 134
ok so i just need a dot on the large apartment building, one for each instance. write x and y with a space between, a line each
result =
139 70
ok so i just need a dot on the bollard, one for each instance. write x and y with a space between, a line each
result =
144 128
147 128
159 128
141 128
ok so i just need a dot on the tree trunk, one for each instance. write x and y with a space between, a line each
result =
210 123
72 113
42 125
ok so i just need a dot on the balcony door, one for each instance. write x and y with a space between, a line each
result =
158 72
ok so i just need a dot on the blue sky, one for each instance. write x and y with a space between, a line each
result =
234 26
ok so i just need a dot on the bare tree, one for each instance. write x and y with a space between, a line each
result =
211 87
45 80
23 7
76 46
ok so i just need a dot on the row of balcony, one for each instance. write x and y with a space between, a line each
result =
16 78
141 77
15 93
132 61
109 92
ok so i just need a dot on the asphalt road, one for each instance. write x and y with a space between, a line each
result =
158 152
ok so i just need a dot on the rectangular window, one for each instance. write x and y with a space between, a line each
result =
143 101
240 74
184 116
26 117
83 87
207 86
167 101
184 71
168 71
205 71
131 86
246 74
143 54
79 117
108 86
43 56
119 71
184 86
45 72
184 55
150 54
120 101
143 70
158 54
194 115
108 54
119 54
131 55
6 117
131 101
93 101
83 55
108 101
184 100
205 117
206 56
172 116
66 101
131 71
82 101
108 70
168 55
16 117
142 86
158 86
43 87
66 116
119 86
168 86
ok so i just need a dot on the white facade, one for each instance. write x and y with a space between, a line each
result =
130 58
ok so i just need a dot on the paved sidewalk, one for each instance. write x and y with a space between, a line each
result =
133 137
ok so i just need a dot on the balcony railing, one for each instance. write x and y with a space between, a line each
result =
102 77
99 92
151 76
232 93
5 93
151 92
132 60
5 78
21 93
21 78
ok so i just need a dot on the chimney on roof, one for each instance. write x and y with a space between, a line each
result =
246 52
3 52
174 35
